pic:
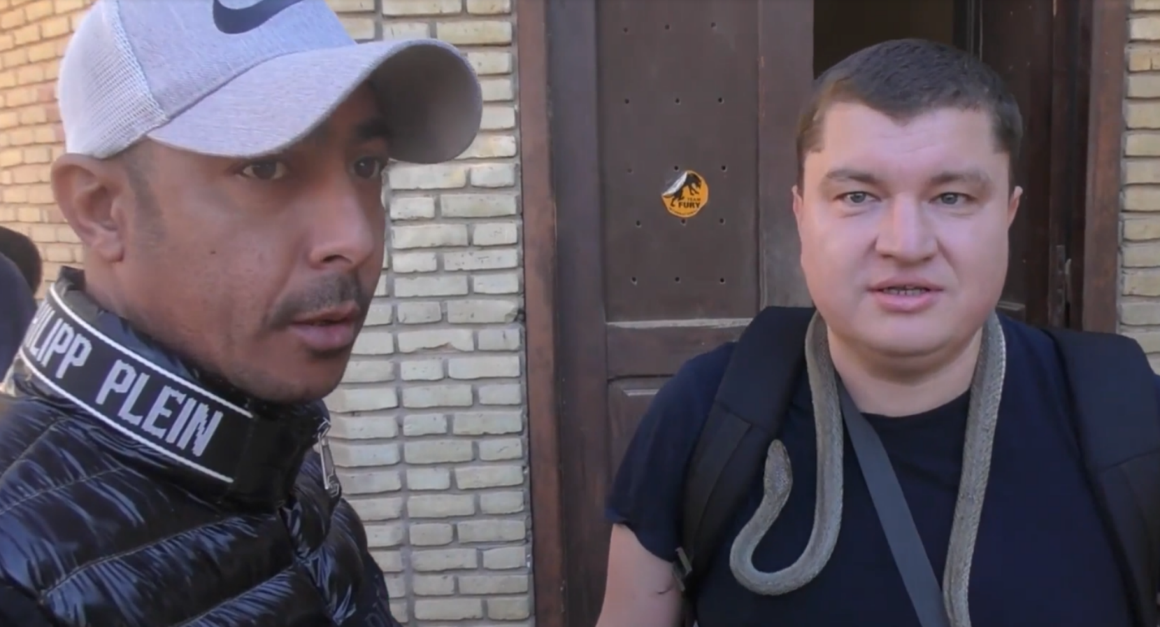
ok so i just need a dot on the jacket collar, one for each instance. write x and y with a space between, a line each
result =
158 410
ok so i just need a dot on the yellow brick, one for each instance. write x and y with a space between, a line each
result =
11 19
1141 255
1144 28
421 7
351 6
360 28
37 10
37 154
1143 115
56 27
475 33
7 41
68 6
489 7
1142 283
40 194
59 253
1143 85
29 74
42 51
7 79
66 234
1138 171
21 136
27 34
402 30
43 233
1137 198
8 119
1139 144
1141 229
14 194
45 135
26 174
496 62
28 214
15 57
32 116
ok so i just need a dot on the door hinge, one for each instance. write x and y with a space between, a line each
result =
1068 284
1061 288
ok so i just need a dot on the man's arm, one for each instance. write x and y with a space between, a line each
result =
17 610
640 590
646 502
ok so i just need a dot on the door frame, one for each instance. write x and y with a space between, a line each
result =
1092 50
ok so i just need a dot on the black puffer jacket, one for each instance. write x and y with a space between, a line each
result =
131 496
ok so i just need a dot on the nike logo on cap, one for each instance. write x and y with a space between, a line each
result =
238 21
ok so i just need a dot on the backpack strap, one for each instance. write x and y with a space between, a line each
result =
746 414
1117 420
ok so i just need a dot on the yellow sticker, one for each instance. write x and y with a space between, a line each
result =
687 195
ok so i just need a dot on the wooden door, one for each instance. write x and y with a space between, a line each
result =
1034 45
642 92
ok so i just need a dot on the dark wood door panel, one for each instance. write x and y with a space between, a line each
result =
628 400
668 104
658 347
1015 38
643 91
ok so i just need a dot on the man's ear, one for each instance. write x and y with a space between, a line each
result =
91 194
797 203
1013 205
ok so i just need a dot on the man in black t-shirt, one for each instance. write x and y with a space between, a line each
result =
903 202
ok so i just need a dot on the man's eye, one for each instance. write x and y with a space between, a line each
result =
369 167
951 198
269 170
856 198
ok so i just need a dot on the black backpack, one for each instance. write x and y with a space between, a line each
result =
1116 417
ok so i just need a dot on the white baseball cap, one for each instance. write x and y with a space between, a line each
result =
246 78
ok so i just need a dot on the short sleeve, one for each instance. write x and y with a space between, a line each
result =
647 491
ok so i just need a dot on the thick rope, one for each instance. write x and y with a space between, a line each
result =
982 417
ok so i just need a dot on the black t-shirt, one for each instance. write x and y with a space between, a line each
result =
1043 556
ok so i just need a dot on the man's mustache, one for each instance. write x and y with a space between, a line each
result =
330 293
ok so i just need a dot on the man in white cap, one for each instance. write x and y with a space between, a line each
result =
163 458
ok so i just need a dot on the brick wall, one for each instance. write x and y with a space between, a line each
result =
429 422
33 34
1140 254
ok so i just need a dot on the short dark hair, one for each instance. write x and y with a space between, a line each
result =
22 252
905 78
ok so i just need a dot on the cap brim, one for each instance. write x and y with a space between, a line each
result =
429 93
